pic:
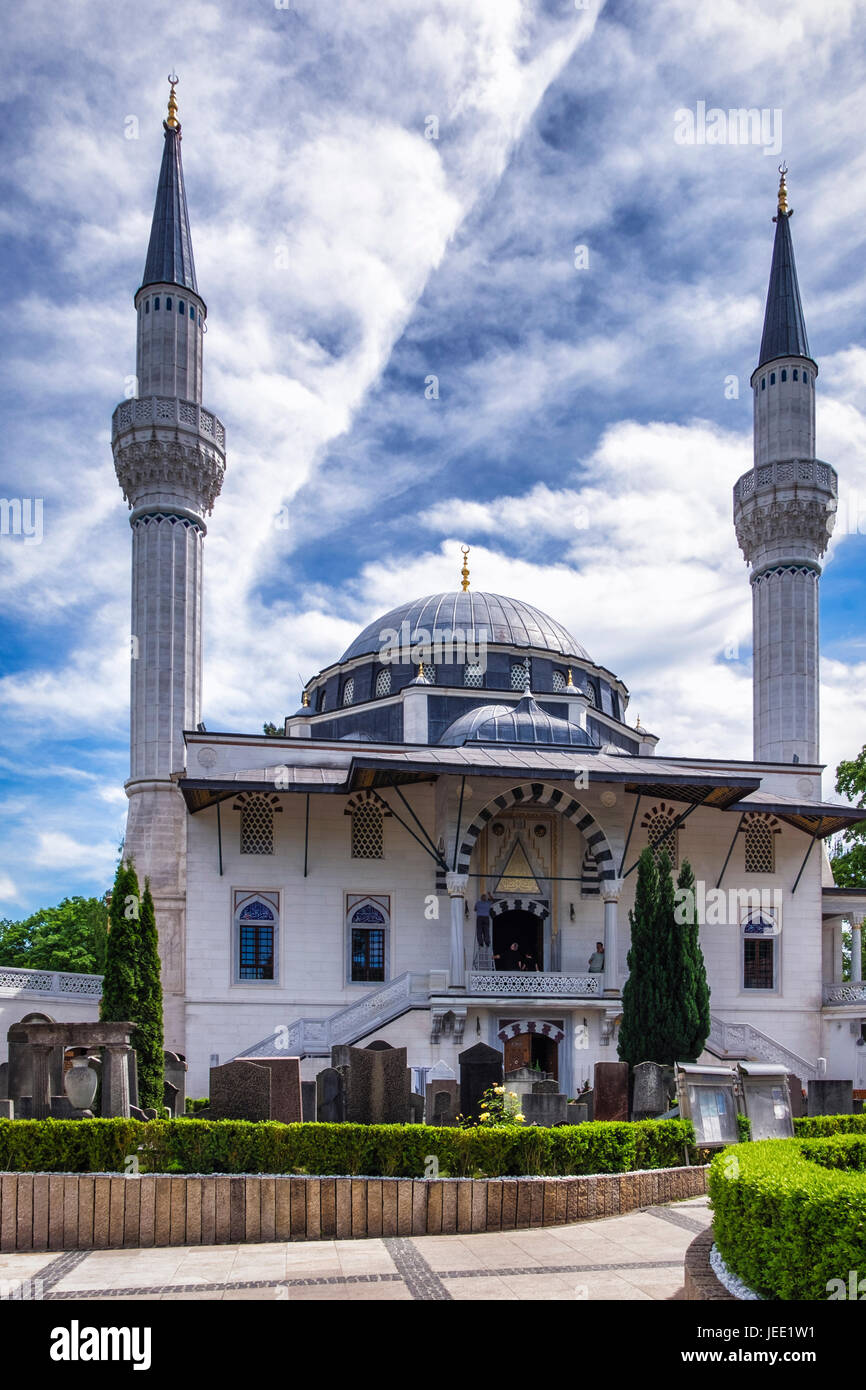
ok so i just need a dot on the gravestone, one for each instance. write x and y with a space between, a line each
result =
169 1099
545 1087
830 1097
285 1087
480 1068
240 1091
174 1071
416 1108
610 1090
378 1085
4 1080
7 1109
440 1071
798 1100
308 1101
576 1113
652 1089
443 1098
331 1096
544 1108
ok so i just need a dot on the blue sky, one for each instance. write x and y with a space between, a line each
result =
582 441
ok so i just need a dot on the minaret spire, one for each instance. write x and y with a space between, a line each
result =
784 510
169 456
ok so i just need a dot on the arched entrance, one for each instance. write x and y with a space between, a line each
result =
517 940
531 1042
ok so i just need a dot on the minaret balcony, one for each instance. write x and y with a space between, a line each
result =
167 412
788 475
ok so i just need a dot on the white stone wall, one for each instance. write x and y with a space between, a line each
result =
169 346
786 674
784 412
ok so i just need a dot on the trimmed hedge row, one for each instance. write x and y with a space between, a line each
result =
790 1214
237 1146
817 1126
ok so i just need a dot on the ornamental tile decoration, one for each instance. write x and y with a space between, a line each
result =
534 983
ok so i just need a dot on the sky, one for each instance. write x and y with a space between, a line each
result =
501 197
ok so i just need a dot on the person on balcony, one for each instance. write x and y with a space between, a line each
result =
482 919
596 960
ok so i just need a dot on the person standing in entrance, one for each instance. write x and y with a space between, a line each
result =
596 960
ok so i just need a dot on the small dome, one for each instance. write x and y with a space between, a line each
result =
526 722
477 617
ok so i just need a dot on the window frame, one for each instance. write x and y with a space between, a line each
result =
772 937
353 902
240 900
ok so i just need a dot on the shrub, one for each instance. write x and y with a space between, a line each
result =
817 1126
790 1214
237 1146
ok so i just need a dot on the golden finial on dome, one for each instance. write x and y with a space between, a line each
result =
569 684
465 569
172 122
420 670
638 724
783 189
305 700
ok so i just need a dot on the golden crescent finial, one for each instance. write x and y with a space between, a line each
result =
172 122
465 570
305 700
783 189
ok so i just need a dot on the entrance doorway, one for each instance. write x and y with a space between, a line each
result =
518 941
532 1050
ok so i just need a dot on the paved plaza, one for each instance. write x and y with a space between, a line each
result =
637 1256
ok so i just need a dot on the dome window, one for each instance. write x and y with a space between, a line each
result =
383 681
784 374
558 683
763 383
772 378
181 307
473 675
794 374
349 691
429 674
168 301
520 675
147 306
156 303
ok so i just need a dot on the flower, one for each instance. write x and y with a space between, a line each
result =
513 1095
500 1090
519 1119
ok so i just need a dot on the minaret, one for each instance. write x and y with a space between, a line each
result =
169 455
784 509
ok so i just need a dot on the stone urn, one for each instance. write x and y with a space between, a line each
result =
80 1083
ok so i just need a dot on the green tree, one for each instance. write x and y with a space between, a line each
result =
71 936
643 995
690 1008
148 1037
120 985
849 863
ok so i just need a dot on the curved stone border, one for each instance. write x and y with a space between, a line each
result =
87 1211
701 1282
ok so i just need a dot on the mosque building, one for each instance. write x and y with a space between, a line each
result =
440 846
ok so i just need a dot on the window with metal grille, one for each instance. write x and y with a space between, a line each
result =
590 694
257 826
473 674
558 682
368 954
367 832
657 823
349 691
383 681
760 847
429 674
256 942
519 675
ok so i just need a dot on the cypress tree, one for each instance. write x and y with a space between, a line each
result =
640 995
694 1001
148 1037
120 983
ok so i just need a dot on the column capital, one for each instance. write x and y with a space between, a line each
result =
611 889
456 884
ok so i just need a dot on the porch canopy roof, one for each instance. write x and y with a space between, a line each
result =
642 776
818 818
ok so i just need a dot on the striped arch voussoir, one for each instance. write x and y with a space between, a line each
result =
532 905
554 799
363 799
251 798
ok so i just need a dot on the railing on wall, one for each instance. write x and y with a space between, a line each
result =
60 984
850 993
749 1043
533 983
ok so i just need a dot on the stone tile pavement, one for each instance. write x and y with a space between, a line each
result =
637 1256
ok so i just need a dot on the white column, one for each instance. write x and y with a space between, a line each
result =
611 891
837 951
856 952
456 885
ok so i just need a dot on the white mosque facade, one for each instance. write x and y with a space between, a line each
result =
320 887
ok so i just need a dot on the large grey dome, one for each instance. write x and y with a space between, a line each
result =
490 619
526 722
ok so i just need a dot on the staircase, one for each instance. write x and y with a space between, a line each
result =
742 1042
314 1037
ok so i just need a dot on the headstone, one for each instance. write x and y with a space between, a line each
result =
440 1071
830 1097
331 1096
480 1068
4 1080
653 1084
169 1098
576 1113
798 1100
544 1108
285 1087
443 1098
174 1070
545 1087
610 1089
308 1101
240 1091
416 1108
378 1085
137 1114
7 1109
587 1098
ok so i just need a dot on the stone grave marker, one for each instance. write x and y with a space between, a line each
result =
331 1096
610 1090
378 1085
285 1087
480 1068
240 1090
831 1097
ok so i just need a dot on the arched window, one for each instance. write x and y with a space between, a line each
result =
772 378
558 682
156 302
168 301
257 821
147 306
519 675
349 691
759 932
657 823
794 374
181 307
368 921
429 674
368 839
192 313
784 374
589 692
759 831
256 937
383 681
473 674
763 383
320 699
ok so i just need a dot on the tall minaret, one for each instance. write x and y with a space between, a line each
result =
169 455
784 509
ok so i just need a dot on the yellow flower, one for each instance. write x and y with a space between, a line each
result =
500 1090
519 1118
513 1095
485 1117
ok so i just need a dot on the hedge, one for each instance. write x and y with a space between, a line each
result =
790 1214
238 1146
816 1126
